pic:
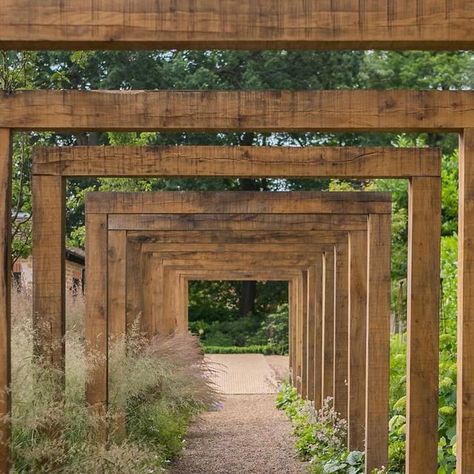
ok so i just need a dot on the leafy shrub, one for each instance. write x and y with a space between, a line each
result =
275 327
266 350
321 435
234 332
269 336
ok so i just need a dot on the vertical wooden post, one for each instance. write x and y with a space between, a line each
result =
423 324
49 203
5 295
328 326
341 330
315 306
378 342
298 331
305 337
151 296
184 301
168 323
134 266
96 311
357 338
117 315
117 292
311 331
291 330
465 388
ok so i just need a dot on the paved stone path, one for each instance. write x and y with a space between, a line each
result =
247 435
238 374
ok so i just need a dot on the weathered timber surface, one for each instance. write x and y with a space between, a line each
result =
344 110
236 24
212 161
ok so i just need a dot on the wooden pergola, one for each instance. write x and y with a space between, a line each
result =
108 251
312 24
422 167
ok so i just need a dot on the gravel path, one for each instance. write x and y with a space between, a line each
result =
248 436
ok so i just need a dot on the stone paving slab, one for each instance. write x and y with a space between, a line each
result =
241 374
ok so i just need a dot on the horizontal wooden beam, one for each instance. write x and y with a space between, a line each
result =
239 202
297 111
236 222
236 24
247 162
157 240
301 251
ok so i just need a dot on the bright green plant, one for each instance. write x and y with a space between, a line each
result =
320 435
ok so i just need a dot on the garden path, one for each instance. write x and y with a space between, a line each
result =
247 434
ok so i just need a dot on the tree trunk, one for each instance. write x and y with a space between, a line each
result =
247 298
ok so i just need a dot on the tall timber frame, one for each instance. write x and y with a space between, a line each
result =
268 24
124 208
421 167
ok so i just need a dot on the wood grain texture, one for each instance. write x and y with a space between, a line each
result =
96 311
251 162
5 296
49 317
314 338
134 303
239 202
378 343
299 316
236 222
291 330
423 324
358 271
291 111
341 330
149 279
232 24
116 284
232 255
465 379
327 349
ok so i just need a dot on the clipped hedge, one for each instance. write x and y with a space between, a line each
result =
254 349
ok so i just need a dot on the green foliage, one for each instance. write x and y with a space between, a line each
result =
236 332
320 434
252 349
245 334
275 328
417 70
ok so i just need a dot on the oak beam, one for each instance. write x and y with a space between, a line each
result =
235 24
116 285
357 339
378 343
49 293
96 311
341 330
236 222
327 348
244 161
243 202
265 111
465 379
423 324
5 296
